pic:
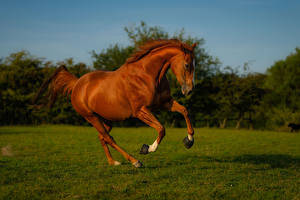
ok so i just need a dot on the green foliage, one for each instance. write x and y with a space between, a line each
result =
112 58
138 35
284 79
283 82
21 75
228 95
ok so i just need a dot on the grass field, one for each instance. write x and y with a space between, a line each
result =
68 162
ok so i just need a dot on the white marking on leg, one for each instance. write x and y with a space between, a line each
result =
191 138
153 146
117 163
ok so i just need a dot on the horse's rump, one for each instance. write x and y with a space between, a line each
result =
104 93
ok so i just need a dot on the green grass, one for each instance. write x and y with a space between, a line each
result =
68 162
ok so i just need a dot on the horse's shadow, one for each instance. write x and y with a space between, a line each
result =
273 160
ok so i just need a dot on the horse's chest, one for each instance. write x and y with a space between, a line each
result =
160 94
144 91
141 89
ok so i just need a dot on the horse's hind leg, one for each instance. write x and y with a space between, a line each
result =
110 160
105 139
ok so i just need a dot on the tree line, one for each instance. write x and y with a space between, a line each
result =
223 96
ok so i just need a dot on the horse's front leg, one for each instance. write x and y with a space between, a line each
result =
145 115
174 106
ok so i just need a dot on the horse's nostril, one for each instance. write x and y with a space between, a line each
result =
189 92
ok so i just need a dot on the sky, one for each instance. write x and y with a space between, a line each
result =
259 32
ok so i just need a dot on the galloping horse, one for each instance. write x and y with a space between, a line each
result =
133 90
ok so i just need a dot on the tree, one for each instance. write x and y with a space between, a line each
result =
231 96
21 75
283 79
249 95
111 58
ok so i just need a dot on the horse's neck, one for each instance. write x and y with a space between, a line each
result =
158 63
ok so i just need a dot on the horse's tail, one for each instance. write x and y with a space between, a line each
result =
61 82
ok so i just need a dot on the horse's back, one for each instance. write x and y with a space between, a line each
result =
102 92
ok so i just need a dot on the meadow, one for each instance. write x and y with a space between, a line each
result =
68 162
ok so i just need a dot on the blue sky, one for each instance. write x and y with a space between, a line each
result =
235 31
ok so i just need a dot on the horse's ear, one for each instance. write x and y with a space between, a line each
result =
194 45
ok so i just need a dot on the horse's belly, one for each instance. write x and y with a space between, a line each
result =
113 112
111 106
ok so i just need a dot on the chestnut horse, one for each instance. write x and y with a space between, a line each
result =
133 90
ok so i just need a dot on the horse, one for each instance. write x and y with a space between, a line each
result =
134 90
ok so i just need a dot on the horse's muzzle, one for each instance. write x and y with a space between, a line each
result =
186 90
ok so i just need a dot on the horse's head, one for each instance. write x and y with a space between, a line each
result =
183 66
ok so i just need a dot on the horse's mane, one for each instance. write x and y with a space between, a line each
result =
146 48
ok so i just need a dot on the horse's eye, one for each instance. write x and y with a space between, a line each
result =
186 66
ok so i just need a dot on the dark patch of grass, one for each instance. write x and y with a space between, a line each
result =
68 162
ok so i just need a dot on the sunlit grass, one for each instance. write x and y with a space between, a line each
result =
68 162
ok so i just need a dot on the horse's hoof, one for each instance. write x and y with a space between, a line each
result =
144 149
138 164
188 143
